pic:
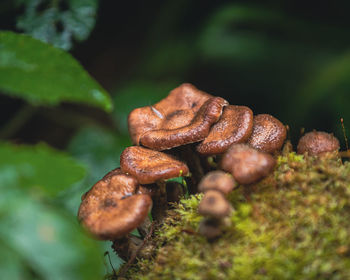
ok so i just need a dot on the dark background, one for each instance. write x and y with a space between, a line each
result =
268 61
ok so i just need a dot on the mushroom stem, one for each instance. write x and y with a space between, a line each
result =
126 246
194 163
144 228
160 204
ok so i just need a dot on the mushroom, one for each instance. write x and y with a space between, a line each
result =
214 204
234 126
217 180
111 210
268 134
317 143
210 228
246 164
216 209
184 116
149 166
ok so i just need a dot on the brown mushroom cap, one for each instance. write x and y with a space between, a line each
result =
217 180
234 126
149 166
317 142
268 133
246 164
110 209
214 204
184 116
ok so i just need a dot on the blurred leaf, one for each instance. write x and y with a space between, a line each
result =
50 242
11 265
99 150
38 168
138 94
56 25
42 74
245 32
325 94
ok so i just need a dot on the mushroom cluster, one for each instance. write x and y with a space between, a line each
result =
187 134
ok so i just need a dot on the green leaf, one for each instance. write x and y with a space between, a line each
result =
11 265
37 168
138 94
56 25
48 241
45 75
99 150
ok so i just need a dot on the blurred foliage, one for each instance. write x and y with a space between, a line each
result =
36 168
45 75
58 22
43 240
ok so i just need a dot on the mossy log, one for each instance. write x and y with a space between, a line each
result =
295 224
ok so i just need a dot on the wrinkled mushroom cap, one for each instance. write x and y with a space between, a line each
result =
110 209
234 126
149 166
214 204
317 142
217 180
184 116
246 164
268 133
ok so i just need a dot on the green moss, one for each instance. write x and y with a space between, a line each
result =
295 224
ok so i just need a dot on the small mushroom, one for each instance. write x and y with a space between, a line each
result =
246 164
217 180
111 210
184 116
234 126
210 228
317 143
268 134
214 204
149 166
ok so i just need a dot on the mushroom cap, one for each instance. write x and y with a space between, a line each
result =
122 184
114 218
149 166
184 116
268 133
234 126
217 180
214 204
110 209
246 164
317 142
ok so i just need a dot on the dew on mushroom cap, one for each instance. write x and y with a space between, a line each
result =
149 166
217 180
234 126
214 204
317 142
111 210
184 116
246 164
268 133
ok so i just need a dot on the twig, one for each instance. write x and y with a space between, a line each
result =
133 257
